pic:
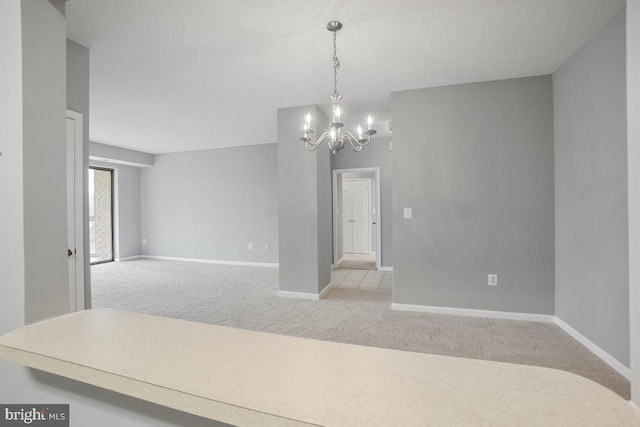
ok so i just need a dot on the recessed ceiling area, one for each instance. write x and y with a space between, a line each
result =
169 75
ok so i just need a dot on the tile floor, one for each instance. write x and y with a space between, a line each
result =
361 279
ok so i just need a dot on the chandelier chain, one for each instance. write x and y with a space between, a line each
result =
336 65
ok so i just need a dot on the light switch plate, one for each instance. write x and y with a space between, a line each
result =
408 213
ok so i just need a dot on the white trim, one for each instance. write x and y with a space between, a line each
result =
305 295
325 290
385 269
212 261
633 405
606 357
115 204
299 295
118 162
77 295
376 171
530 317
128 258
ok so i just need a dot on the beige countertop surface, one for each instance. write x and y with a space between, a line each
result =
250 378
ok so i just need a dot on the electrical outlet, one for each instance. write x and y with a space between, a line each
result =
408 213
144 241
266 246
250 246
493 280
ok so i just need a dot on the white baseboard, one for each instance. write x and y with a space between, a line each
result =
546 318
299 295
606 357
128 258
634 405
305 295
213 261
325 290
385 269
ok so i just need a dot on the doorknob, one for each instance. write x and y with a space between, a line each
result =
69 252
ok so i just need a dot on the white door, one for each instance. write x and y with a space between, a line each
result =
356 206
75 245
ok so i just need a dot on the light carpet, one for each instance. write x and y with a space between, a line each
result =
246 298
360 265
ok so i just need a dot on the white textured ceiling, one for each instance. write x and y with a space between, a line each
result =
179 75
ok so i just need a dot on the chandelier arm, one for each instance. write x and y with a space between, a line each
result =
313 146
348 136
310 146
320 140
308 141
359 142
365 141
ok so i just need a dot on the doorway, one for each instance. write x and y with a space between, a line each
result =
356 218
100 214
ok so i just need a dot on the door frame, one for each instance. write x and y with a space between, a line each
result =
76 290
113 210
378 215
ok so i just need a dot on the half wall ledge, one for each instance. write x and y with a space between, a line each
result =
251 378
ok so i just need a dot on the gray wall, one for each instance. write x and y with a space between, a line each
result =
633 144
44 108
78 101
376 154
592 289
211 204
12 284
304 202
126 209
324 162
475 162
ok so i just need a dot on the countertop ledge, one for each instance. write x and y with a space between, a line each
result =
248 378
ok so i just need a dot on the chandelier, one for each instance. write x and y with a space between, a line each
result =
335 137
